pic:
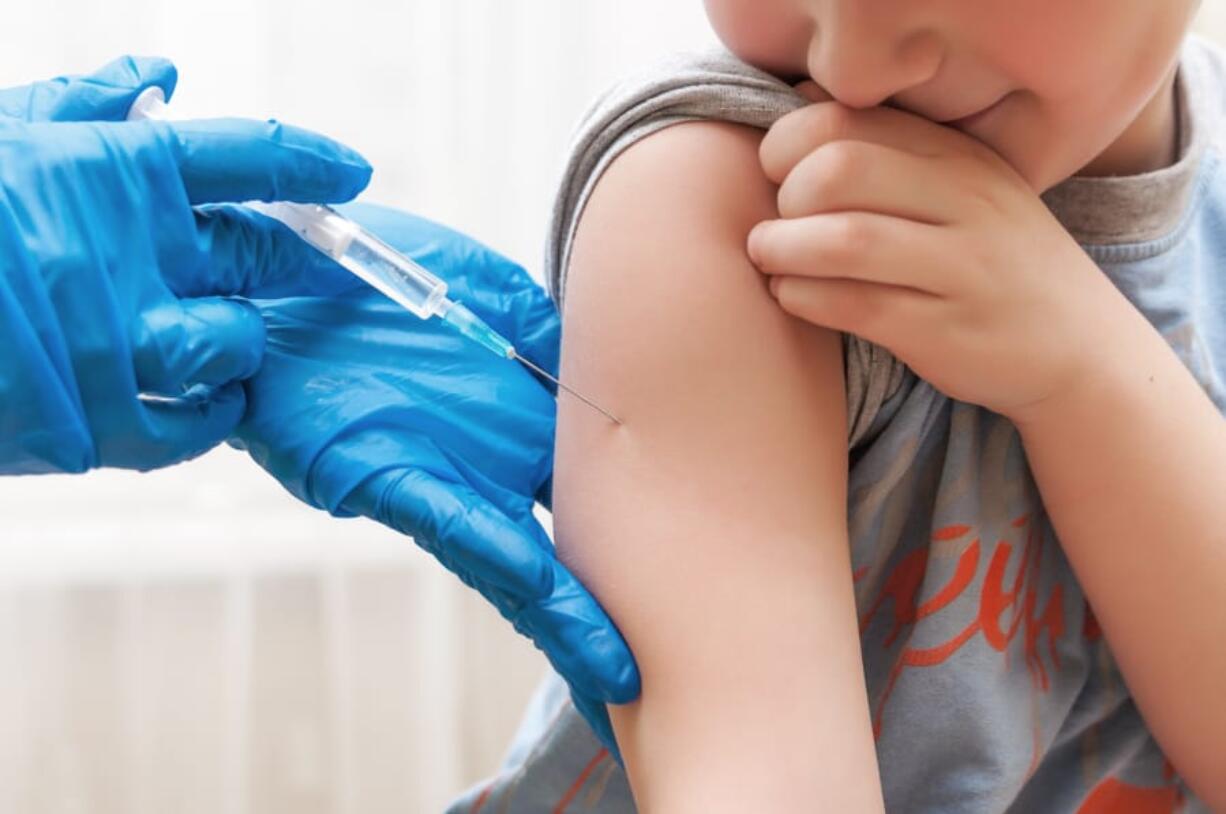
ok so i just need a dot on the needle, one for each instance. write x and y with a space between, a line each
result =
574 393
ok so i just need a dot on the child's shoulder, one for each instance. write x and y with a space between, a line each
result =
710 90
694 84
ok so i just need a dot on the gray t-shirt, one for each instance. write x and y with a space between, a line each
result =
990 684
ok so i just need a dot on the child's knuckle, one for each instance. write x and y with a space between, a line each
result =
849 236
842 162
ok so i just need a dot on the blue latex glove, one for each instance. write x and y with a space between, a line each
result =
112 284
105 95
361 408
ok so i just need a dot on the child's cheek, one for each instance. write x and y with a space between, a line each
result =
774 35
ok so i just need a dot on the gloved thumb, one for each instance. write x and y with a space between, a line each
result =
104 95
464 532
596 714
210 341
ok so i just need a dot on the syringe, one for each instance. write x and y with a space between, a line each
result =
401 279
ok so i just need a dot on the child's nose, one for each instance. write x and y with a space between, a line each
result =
864 53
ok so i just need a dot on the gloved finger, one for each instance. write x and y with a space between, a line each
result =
597 716
232 160
104 95
211 341
181 430
248 254
478 543
583 644
461 529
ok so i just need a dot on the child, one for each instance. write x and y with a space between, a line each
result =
1031 390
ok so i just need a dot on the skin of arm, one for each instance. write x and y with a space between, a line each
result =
712 523
1132 469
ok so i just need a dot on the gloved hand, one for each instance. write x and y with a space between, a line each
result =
105 95
112 284
361 408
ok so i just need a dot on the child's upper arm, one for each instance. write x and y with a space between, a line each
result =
712 523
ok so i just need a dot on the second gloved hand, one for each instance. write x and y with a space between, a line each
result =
361 408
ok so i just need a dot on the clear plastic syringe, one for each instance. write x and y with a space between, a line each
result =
401 279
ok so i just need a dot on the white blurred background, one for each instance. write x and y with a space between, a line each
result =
195 640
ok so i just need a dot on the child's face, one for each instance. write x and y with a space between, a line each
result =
1072 84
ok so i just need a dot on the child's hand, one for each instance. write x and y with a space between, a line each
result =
923 240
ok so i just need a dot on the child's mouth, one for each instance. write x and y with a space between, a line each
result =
970 121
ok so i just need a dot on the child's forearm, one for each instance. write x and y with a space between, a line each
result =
1131 466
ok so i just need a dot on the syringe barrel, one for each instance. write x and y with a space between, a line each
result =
368 257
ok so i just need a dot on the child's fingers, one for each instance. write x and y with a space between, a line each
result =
801 132
855 245
863 176
886 315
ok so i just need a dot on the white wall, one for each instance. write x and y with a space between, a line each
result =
194 640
